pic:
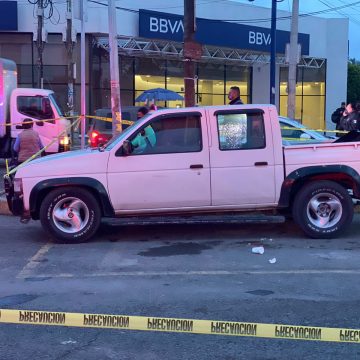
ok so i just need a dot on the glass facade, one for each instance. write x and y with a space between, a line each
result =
212 84
21 49
310 96
213 79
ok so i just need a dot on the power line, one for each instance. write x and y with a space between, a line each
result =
249 21
356 21
319 12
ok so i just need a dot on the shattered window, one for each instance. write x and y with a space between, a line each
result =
241 131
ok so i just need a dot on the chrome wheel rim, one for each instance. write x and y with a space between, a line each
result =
324 210
70 215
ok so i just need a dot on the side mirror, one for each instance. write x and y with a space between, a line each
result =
127 148
39 123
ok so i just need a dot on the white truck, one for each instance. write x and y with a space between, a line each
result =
201 161
17 104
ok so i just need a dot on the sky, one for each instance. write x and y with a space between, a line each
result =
306 6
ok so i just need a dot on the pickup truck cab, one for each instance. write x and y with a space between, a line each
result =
192 161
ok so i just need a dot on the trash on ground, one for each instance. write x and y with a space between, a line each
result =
272 261
258 250
68 342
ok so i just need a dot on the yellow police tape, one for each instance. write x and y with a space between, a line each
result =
317 130
65 132
39 121
126 122
191 326
106 119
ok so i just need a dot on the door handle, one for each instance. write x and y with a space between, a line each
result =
197 166
261 163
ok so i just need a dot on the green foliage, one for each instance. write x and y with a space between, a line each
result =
353 87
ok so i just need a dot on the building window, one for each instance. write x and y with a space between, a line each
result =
239 76
211 84
310 96
149 74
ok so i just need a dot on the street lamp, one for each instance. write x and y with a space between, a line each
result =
273 49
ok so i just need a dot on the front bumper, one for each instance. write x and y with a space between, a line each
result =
15 201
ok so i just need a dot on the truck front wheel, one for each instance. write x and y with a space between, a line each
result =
323 209
70 215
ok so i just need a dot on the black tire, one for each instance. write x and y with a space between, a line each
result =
334 209
87 212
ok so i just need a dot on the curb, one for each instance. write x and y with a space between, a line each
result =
4 209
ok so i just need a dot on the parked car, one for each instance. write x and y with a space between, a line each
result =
100 131
299 134
193 161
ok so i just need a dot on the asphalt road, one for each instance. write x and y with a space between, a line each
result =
184 271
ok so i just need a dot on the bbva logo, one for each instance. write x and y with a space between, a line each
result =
166 25
259 38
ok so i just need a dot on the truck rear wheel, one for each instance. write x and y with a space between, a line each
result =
70 215
323 209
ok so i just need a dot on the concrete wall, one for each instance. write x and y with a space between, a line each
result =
337 62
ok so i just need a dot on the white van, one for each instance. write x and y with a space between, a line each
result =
17 104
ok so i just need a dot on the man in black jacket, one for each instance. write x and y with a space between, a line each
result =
337 115
234 96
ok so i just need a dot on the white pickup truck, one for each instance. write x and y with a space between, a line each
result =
192 162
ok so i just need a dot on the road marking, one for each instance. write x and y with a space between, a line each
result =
34 262
195 273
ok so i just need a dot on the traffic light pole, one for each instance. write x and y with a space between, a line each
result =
293 55
273 53
189 64
83 74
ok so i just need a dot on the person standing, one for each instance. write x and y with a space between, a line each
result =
142 112
234 96
350 119
337 115
28 142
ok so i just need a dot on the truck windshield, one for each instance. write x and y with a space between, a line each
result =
54 101
123 135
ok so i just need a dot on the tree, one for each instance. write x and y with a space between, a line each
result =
353 87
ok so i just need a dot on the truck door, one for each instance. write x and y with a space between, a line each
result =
168 168
241 159
36 108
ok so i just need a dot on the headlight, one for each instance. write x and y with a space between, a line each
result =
18 185
65 140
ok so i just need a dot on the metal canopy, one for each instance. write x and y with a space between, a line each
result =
173 50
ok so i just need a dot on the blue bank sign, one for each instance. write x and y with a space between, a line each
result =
157 25
8 16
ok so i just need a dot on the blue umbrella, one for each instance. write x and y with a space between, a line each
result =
158 94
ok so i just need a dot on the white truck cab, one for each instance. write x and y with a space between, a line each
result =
17 104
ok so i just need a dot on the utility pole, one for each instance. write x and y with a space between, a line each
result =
114 71
40 44
69 44
273 52
83 73
293 60
191 51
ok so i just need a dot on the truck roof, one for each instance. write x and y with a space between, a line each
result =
32 92
217 107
